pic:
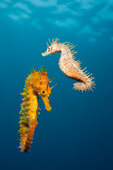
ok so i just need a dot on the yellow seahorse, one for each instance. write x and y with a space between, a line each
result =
37 83
68 65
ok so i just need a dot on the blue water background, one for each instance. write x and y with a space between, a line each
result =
78 133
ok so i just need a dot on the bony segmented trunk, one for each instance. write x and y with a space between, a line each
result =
69 65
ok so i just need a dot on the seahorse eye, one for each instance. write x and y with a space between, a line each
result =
49 48
43 92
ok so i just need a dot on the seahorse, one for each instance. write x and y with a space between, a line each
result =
69 66
36 84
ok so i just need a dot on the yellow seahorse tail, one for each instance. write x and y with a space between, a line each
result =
32 125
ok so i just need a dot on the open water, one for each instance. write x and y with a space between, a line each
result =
78 133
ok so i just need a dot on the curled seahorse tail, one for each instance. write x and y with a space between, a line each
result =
88 85
27 142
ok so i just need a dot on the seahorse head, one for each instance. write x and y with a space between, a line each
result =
54 47
41 87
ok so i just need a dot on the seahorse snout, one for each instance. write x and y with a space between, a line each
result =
46 103
48 108
44 54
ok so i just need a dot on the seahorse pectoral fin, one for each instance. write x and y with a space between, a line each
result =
46 103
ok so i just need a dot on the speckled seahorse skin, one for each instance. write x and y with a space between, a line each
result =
69 66
37 83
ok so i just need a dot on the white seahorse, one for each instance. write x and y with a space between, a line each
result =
68 65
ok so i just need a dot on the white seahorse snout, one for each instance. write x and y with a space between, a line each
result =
47 52
44 54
